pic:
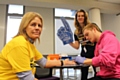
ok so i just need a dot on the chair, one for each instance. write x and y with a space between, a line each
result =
45 74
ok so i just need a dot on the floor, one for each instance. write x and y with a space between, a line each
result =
72 75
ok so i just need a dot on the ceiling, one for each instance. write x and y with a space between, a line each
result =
105 6
111 1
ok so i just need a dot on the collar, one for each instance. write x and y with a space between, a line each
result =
31 40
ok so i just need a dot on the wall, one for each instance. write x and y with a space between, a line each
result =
111 22
2 25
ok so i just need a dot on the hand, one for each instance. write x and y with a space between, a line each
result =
79 59
69 62
67 26
35 79
64 33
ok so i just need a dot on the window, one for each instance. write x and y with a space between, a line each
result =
69 15
15 13
64 12
15 9
12 27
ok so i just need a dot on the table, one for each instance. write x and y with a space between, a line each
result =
68 66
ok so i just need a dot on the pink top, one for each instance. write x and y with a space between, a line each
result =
107 56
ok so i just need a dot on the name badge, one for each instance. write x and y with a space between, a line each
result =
97 69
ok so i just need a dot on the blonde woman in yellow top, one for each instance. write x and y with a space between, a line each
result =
19 55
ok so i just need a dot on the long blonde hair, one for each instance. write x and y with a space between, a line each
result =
27 18
78 27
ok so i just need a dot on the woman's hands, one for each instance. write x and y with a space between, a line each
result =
79 59
35 79
69 62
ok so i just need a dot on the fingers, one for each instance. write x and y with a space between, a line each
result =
67 59
73 58
72 62
69 62
35 79
60 31
65 23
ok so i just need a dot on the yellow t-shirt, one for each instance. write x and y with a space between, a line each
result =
17 56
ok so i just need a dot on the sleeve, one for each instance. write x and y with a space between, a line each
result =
42 62
76 38
39 59
19 59
27 75
38 55
108 53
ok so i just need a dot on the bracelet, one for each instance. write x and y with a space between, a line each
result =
61 63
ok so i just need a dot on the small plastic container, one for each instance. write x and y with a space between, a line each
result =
53 56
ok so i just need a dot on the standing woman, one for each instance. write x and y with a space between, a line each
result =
81 20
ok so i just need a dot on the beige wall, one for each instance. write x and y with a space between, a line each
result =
111 22
2 25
